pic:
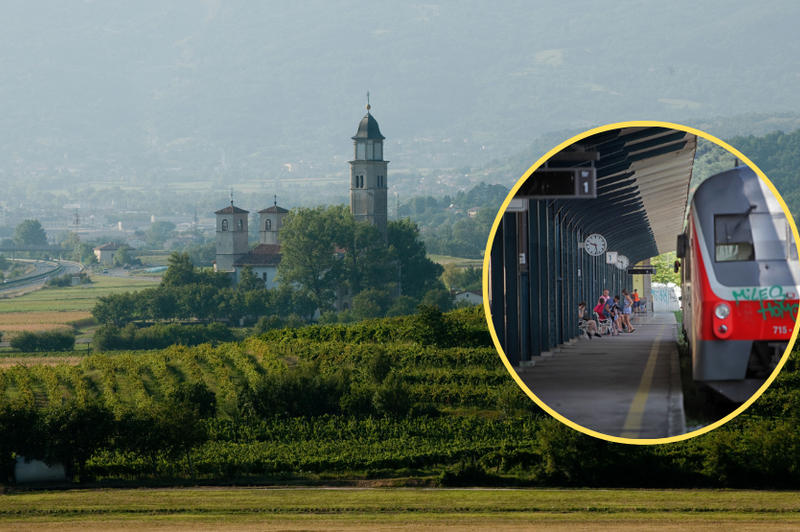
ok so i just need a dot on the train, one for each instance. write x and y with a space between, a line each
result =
740 278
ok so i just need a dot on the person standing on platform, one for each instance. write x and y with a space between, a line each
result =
627 306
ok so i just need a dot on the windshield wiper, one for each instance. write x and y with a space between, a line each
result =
744 216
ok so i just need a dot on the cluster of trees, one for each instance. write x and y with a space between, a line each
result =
451 231
456 278
57 340
66 280
72 432
159 336
327 254
189 292
778 155
30 233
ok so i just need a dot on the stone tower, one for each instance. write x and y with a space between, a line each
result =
368 175
270 221
231 236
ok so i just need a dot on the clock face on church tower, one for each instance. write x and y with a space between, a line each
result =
595 245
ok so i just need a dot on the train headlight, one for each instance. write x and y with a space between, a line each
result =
722 311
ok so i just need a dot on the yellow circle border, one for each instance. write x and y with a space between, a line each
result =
487 261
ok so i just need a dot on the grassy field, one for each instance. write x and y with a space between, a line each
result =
461 263
70 299
398 509
154 258
58 308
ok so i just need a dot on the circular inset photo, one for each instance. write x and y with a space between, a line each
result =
641 282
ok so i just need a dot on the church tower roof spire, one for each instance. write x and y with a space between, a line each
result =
368 127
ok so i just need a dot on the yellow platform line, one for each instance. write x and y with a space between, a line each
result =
633 423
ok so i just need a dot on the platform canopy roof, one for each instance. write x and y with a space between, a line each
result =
643 176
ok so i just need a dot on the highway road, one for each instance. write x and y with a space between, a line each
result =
39 275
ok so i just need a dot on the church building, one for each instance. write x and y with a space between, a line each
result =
368 186
368 190
233 251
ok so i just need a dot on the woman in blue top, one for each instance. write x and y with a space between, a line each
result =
626 310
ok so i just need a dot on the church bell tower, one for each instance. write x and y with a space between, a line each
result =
368 175
231 236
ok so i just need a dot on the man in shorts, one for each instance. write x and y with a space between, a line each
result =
637 303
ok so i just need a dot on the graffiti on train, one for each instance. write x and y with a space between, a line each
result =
775 303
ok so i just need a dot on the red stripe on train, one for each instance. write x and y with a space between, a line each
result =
764 320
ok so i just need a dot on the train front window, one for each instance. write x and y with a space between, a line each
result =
774 239
733 238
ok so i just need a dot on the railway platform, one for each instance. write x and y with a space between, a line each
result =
626 386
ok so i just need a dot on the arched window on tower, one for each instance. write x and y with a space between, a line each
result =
224 225
240 225
268 225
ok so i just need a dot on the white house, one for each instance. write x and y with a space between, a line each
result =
474 297
106 252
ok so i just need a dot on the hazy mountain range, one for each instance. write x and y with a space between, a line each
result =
183 87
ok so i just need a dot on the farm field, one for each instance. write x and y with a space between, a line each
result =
59 308
70 299
461 263
399 509
408 402
154 258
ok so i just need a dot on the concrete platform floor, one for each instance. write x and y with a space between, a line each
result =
627 386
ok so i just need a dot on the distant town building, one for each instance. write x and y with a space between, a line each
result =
136 242
106 252
173 242
176 219
56 224
134 226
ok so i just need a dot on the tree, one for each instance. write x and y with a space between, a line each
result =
308 246
73 433
371 304
249 281
461 278
402 306
366 261
17 425
180 270
84 252
202 255
114 309
30 233
123 256
665 269
440 298
419 274
158 233
157 303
